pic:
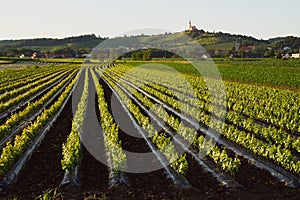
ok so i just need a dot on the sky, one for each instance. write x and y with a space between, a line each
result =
261 19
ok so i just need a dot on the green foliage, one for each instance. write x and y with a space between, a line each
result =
269 72
162 141
71 148
10 78
71 45
142 55
111 129
101 196
279 108
228 164
50 194
147 55
64 50
14 150
19 95
31 108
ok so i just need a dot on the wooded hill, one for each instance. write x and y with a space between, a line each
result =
217 44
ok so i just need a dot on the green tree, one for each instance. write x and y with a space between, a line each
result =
137 55
147 55
241 53
134 56
65 50
272 53
278 54
267 54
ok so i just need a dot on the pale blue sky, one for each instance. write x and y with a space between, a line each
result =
109 18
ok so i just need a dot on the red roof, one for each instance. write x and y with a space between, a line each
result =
248 48
192 27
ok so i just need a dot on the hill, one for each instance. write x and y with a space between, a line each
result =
224 44
70 45
217 44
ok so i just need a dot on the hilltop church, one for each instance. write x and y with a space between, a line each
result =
192 27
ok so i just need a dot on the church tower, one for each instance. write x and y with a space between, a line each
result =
192 27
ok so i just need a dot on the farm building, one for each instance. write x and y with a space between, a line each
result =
248 48
286 56
36 55
295 55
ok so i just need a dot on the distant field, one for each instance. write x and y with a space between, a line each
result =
266 72
211 46
280 73
64 60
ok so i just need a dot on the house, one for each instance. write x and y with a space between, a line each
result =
204 57
295 55
87 55
220 51
25 55
248 48
36 55
286 56
287 48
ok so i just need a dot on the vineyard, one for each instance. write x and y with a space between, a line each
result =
158 132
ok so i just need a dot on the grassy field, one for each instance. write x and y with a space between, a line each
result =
268 72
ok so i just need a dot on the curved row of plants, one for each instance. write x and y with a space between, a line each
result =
71 149
27 78
10 76
111 130
18 91
277 153
269 134
17 118
217 154
15 149
29 93
273 106
161 140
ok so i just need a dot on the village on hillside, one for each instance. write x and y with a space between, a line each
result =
217 45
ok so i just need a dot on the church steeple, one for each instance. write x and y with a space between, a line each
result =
192 27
